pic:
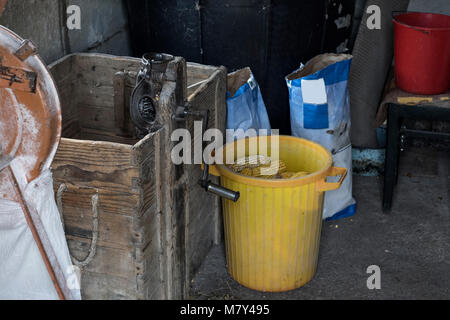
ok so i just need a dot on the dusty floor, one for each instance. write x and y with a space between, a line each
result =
411 245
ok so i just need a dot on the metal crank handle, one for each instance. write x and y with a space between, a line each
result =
181 114
222 192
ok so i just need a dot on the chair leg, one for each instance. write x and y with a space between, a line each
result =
392 156
399 152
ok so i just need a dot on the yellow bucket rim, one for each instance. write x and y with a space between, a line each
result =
223 171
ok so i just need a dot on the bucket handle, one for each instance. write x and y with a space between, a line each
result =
324 186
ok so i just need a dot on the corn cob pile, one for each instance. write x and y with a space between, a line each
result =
265 168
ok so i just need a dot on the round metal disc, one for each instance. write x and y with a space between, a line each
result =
30 122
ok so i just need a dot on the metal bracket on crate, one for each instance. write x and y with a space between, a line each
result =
181 115
17 79
26 49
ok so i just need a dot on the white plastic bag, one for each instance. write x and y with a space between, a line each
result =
23 275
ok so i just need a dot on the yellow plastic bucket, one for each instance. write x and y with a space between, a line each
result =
273 232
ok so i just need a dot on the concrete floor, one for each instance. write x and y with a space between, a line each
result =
411 245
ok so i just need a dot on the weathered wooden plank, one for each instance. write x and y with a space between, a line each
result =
220 122
99 69
198 72
101 96
71 128
152 280
87 62
66 88
105 156
93 287
115 231
95 164
65 81
62 68
100 286
106 136
203 220
97 135
98 117
111 261
147 157
111 201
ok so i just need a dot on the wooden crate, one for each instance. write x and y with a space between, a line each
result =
153 232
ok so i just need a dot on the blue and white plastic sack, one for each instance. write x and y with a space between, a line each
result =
320 112
246 108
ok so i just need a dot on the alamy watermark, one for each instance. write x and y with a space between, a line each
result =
205 148
73 17
374 18
374 281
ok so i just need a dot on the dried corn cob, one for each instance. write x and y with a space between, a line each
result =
250 162
293 175
263 167
275 168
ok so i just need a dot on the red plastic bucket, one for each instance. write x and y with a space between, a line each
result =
422 52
